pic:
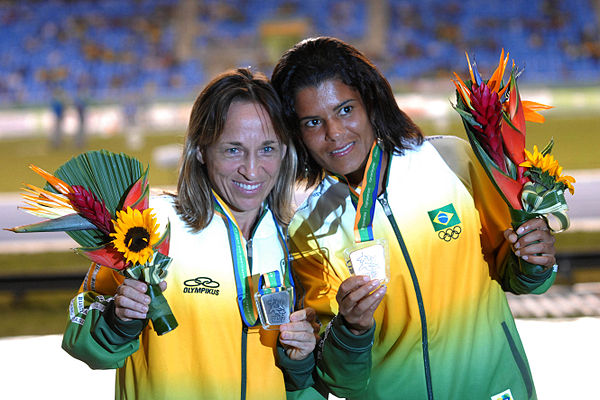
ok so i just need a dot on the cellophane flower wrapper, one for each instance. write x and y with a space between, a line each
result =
86 198
494 119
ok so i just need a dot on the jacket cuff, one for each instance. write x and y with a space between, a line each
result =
296 366
126 329
342 335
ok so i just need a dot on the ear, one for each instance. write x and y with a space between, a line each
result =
199 156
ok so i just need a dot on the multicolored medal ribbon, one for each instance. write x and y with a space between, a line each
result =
270 282
242 267
364 202
368 256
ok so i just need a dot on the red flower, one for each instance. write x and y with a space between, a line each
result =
487 111
86 204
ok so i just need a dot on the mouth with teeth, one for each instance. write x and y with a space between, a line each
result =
342 151
248 187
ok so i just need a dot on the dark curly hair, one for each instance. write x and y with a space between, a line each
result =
315 60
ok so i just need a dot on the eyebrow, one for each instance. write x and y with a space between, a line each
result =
337 107
242 145
343 103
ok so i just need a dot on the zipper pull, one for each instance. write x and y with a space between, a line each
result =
249 248
249 253
384 203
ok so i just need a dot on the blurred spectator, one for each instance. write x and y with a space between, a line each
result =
58 110
80 104
133 122
126 45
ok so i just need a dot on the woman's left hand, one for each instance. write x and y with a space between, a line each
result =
299 336
536 246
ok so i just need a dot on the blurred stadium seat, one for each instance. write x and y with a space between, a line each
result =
111 49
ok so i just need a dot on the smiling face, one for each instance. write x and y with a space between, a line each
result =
335 128
243 165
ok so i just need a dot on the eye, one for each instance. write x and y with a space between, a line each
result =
312 123
346 110
232 151
268 149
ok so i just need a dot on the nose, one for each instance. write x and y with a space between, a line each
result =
249 167
334 129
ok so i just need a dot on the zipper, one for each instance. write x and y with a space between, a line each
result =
249 254
244 360
244 356
525 374
424 341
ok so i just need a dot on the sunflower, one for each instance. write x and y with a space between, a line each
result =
547 163
135 234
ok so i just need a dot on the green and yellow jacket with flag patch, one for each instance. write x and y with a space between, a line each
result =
211 354
444 329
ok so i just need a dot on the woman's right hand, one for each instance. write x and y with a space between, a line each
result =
357 300
131 300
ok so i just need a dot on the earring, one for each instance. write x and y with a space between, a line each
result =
305 169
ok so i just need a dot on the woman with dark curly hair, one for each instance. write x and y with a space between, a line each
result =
403 239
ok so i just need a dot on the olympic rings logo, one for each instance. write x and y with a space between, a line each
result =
450 233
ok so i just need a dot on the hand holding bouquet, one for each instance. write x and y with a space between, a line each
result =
494 117
100 199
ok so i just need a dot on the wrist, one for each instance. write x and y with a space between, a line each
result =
127 329
355 330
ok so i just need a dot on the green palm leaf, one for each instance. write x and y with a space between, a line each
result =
106 174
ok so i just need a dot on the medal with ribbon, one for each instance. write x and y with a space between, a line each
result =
242 267
274 301
368 256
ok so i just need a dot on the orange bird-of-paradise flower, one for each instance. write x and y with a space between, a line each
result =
494 83
58 184
44 203
530 108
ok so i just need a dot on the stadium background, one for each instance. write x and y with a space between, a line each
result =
136 66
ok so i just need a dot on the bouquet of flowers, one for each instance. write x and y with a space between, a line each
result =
494 117
100 199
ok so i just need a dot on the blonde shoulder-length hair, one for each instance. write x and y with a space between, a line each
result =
193 201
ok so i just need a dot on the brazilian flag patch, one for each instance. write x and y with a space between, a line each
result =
443 217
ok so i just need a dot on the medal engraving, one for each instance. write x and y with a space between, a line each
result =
370 260
274 308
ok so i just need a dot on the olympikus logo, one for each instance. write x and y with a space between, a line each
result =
201 285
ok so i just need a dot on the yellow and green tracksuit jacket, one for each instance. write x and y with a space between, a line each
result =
444 329
211 354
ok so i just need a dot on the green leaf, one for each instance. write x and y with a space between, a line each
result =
106 174
467 116
548 147
70 222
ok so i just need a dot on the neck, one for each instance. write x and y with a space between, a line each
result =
246 221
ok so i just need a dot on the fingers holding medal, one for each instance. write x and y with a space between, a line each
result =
358 297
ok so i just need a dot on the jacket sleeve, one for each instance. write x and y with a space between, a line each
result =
94 334
342 359
495 219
